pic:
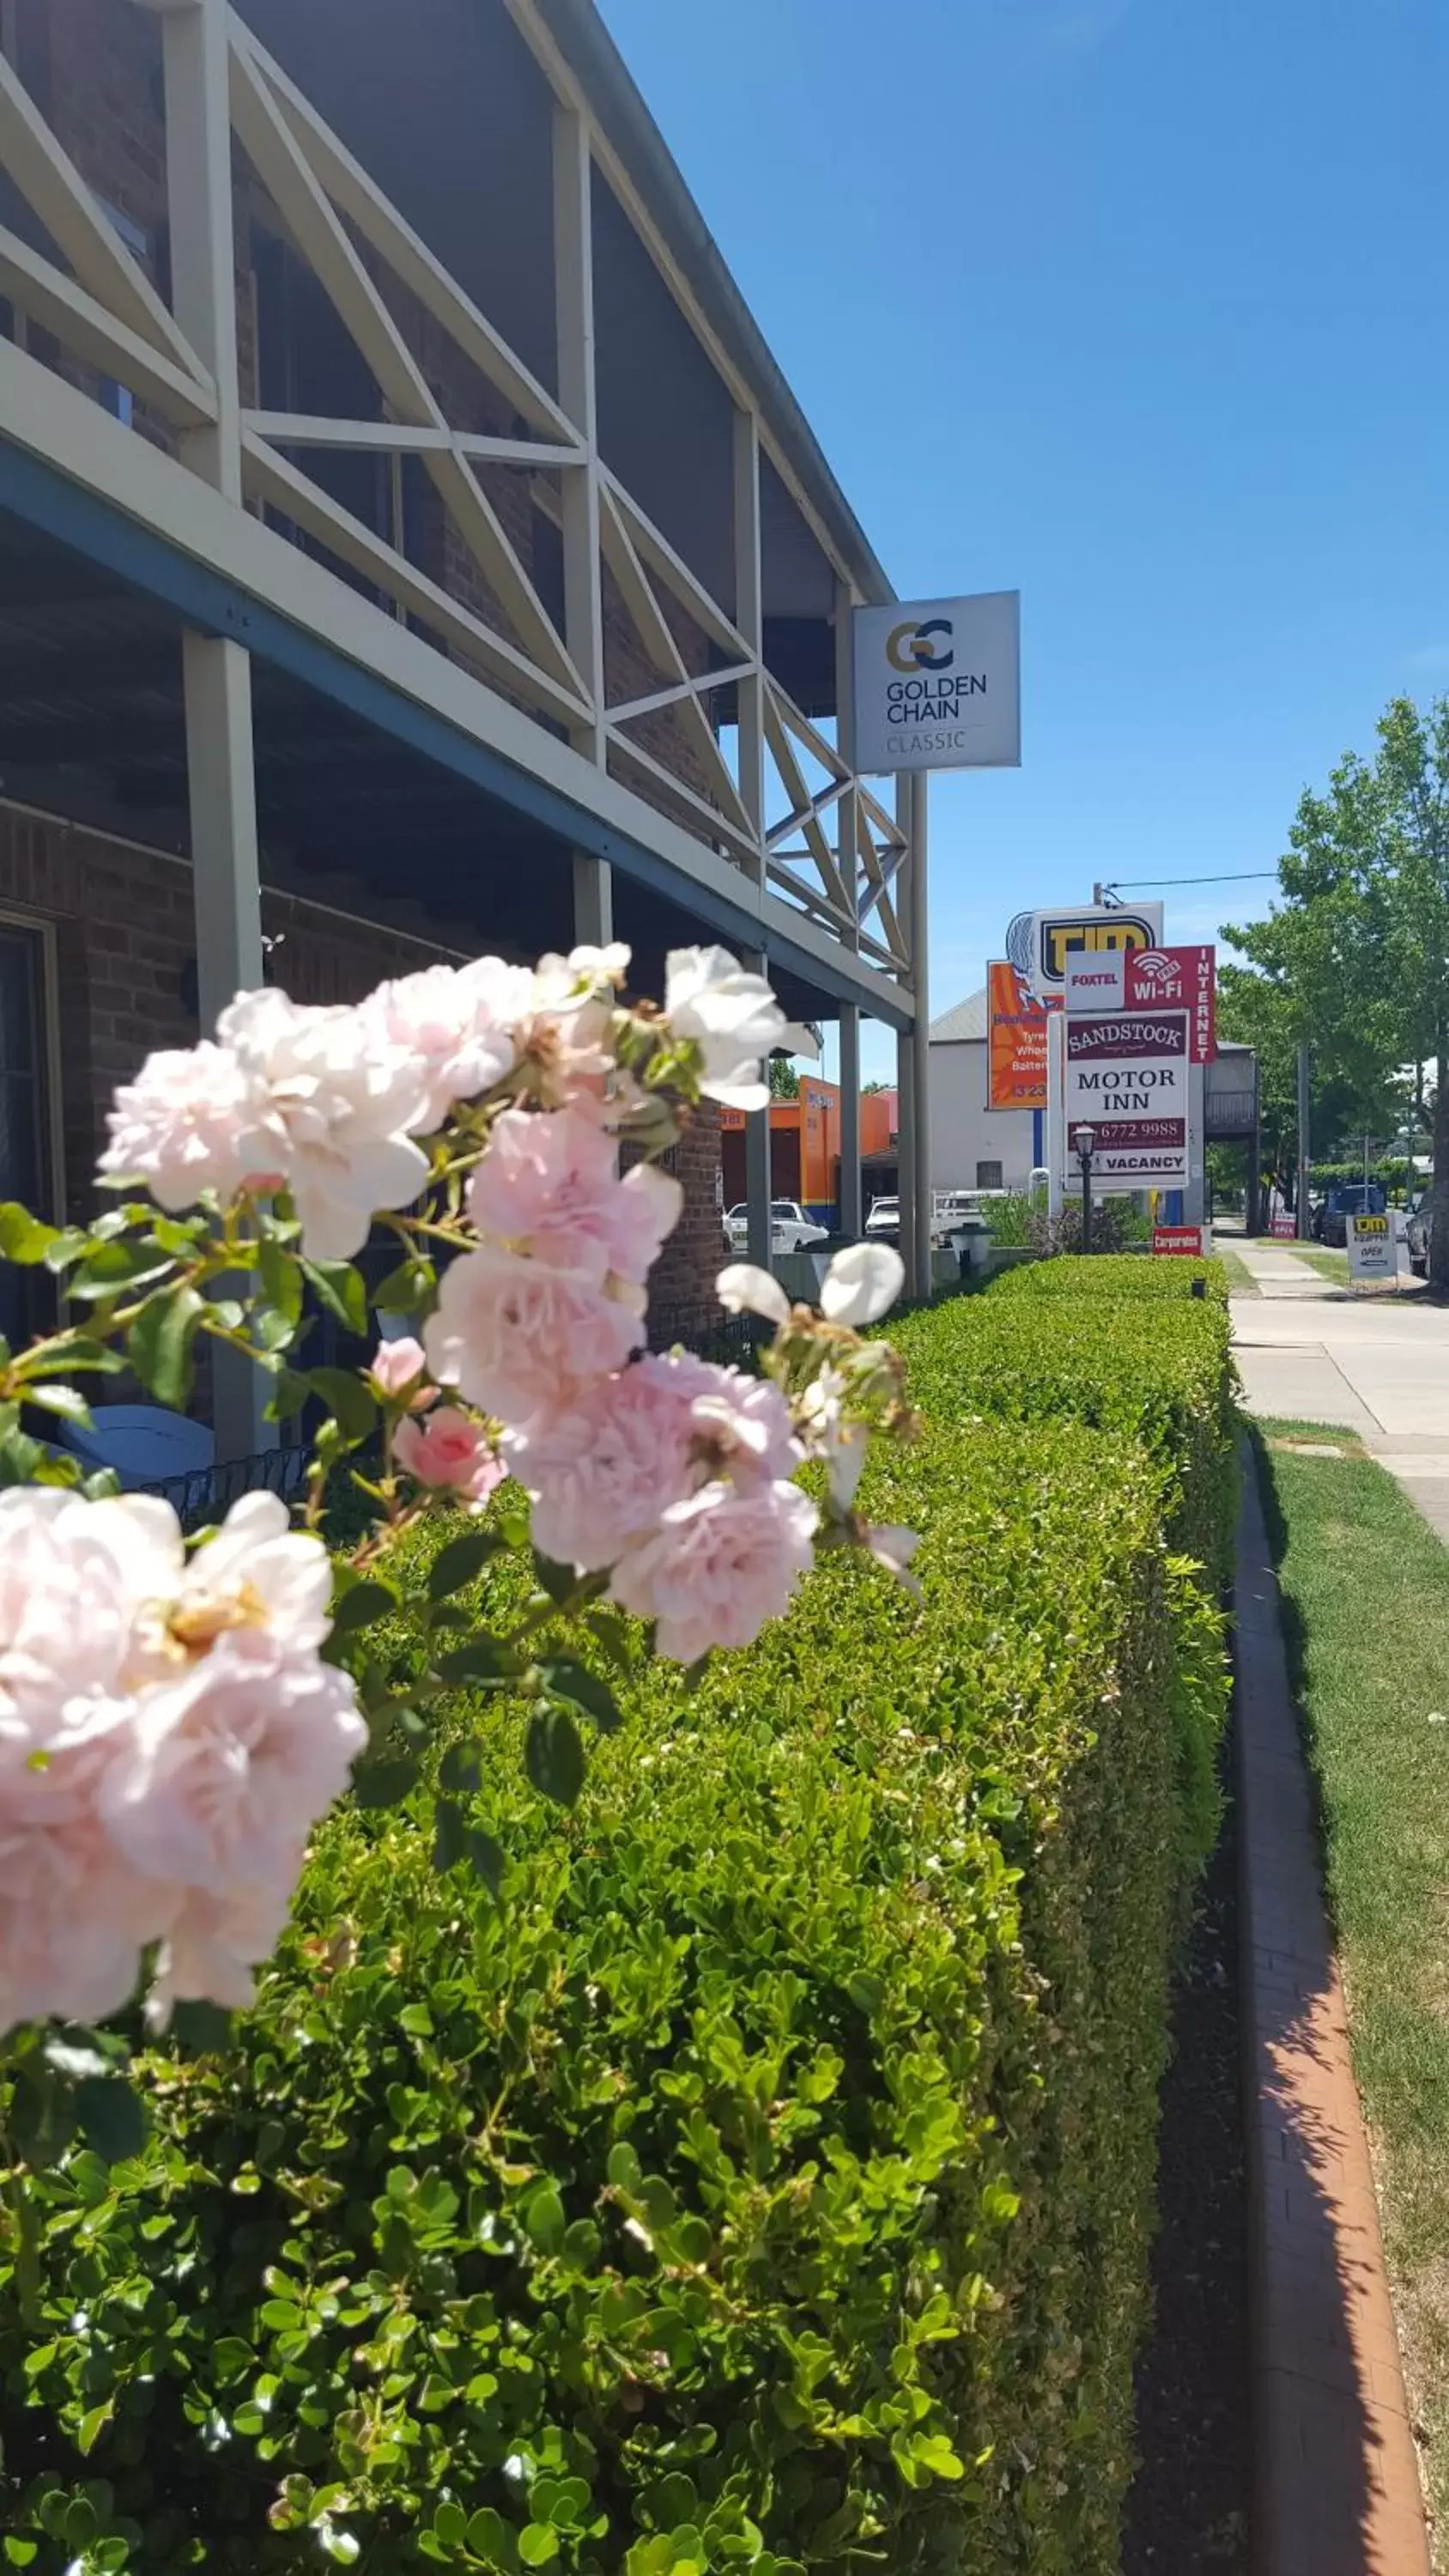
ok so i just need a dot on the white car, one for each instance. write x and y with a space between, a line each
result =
791 1230
884 1220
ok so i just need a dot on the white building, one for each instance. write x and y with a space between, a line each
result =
972 1147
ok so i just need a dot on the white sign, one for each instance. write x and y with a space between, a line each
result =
938 684
1127 1079
1043 946
1096 983
1373 1248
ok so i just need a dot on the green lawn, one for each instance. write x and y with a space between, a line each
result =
1365 1587
1240 1278
1323 1257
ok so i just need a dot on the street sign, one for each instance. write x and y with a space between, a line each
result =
1016 1041
1041 945
1180 1239
938 684
1143 979
1127 1079
1373 1248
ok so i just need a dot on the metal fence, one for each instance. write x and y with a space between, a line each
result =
207 1494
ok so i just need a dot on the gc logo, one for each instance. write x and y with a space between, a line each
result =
908 647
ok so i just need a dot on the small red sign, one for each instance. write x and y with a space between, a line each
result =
1284 1227
1178 1238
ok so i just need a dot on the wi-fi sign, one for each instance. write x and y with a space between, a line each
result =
1159 972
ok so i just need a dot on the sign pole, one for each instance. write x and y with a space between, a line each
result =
920 1035
1303 1141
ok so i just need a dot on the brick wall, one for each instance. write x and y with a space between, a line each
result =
125 942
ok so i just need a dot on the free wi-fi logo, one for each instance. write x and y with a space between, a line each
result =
1160 973
909 648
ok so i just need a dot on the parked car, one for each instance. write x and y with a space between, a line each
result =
791 1230
883 1224
1419 1234
1351 1198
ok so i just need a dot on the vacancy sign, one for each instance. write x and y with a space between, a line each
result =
1127 1079
938 684
1138 979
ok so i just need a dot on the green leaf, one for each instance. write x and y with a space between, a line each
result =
461 1770
111 2117
450 1834
560 1582
553 1755
483 1659
491 2538
160 1342
24 1238
543 2216
486 1857
66 1247
460 1561
346 1398
341 1289
537 2544
583 1689
385 1784
21 2553
67 1401
362 1606
201 2029
405 1289
114 1266
281 1278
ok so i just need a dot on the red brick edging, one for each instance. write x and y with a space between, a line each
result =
1336 2481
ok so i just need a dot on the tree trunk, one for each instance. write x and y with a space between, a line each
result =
1439 1194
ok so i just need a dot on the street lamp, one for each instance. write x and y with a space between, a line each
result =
1084 1138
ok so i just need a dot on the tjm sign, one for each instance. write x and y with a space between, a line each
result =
938 684
1127 1079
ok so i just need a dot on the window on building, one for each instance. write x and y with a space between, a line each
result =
988 1176
25 1156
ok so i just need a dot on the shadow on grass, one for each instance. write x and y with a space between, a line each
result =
1325 2446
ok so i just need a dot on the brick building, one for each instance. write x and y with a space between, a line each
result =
407 545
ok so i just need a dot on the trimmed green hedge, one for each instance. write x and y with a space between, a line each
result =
1116 1274
1155 1369
765 2182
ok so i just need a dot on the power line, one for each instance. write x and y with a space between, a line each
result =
1240 876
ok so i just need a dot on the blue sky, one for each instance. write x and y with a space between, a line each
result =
1136 306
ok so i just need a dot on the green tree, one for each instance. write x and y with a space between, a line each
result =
1358 949
784 1079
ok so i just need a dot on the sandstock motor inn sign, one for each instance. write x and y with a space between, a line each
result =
1127 1079
938 684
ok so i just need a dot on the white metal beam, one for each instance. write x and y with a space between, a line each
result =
56 422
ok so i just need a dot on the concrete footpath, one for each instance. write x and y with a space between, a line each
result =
1371 1361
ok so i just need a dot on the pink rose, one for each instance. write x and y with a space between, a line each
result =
74 1918
338 1107
449 1450
398 1370
718 1567
454 1021
549 1183
602 1471
214 1944
186 1124
224 1769
515 1336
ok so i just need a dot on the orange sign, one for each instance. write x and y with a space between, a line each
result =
1016 1049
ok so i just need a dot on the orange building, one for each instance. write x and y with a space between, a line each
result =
805 1145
